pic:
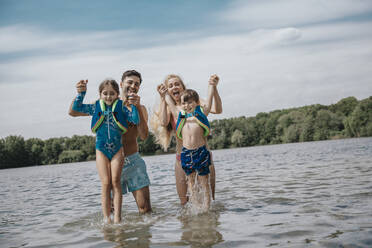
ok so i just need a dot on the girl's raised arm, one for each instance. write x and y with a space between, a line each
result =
77 108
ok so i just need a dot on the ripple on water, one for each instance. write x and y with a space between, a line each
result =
279 200
315 194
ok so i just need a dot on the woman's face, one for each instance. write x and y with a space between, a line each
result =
175 88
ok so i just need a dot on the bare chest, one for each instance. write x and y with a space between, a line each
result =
192 127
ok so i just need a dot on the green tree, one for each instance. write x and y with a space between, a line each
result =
307 129
3 158
325 123
52 148
270 127
15 154
358 123
34 148
290 126
148 146
345 106
71 156
237 138
251 136
218 140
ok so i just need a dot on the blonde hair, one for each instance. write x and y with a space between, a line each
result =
163 135
170 76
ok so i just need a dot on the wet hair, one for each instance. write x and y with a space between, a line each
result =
131 73
170 76
109 82
189 95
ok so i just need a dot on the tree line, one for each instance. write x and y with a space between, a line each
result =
346 119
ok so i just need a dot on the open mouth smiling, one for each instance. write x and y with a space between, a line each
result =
176 93
131 90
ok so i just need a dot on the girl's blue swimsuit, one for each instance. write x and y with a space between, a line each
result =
108 136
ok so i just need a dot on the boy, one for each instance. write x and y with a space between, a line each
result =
193 128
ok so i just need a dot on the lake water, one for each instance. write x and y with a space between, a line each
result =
316 194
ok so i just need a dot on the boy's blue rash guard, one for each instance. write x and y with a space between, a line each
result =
108 135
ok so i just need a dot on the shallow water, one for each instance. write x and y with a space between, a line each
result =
316 194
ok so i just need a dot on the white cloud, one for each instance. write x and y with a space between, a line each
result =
260 70
283 13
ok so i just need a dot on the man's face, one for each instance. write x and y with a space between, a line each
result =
130 85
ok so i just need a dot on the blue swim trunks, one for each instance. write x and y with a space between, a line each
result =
134 175
197 159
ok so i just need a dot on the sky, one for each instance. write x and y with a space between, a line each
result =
272 54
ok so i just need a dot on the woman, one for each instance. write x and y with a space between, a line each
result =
164 120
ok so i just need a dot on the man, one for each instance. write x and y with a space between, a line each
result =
134 176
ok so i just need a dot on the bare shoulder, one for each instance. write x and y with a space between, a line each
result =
143 108
144 111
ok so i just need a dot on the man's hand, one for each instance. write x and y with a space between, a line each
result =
134 99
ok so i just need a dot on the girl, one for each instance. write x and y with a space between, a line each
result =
109 122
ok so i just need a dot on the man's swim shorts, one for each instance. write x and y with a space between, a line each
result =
134 175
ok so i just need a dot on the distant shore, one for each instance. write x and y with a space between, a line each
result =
348 118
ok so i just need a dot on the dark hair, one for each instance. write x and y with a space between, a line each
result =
189 94
110 82
131 73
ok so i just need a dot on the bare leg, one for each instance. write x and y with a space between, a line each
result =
212 179
191 187
212 176
204 183
104 172
181 183
116 167
142 197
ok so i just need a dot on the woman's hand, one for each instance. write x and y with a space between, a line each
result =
162 89
213 80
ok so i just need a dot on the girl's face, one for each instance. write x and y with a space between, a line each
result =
108 95
175 88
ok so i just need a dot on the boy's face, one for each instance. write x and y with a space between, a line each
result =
188 106
108 95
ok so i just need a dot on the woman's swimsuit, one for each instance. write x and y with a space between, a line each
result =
108 135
